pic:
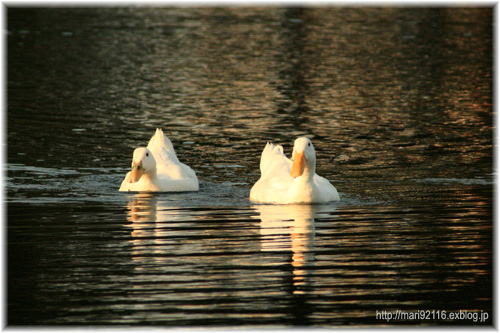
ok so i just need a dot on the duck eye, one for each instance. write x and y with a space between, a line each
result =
147 154
309 144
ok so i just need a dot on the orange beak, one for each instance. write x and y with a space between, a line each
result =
299 164
136 173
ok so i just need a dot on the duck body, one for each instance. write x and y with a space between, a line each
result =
157 169
286 181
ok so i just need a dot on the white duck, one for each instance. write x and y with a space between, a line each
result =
157 169
284 181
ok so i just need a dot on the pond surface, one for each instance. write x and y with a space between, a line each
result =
397 101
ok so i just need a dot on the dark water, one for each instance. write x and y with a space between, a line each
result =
398 102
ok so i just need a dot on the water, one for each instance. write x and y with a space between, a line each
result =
397 101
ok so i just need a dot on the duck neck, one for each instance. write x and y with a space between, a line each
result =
309 172
151 176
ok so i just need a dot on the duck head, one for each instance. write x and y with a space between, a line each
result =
143 162
304 158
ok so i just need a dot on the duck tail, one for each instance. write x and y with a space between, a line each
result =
269 156
160 141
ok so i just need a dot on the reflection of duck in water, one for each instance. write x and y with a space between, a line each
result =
291 227
157 168
141 208
149 209
156 225
285 181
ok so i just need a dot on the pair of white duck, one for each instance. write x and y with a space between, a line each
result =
282 181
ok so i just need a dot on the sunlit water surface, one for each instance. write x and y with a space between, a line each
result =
396 101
